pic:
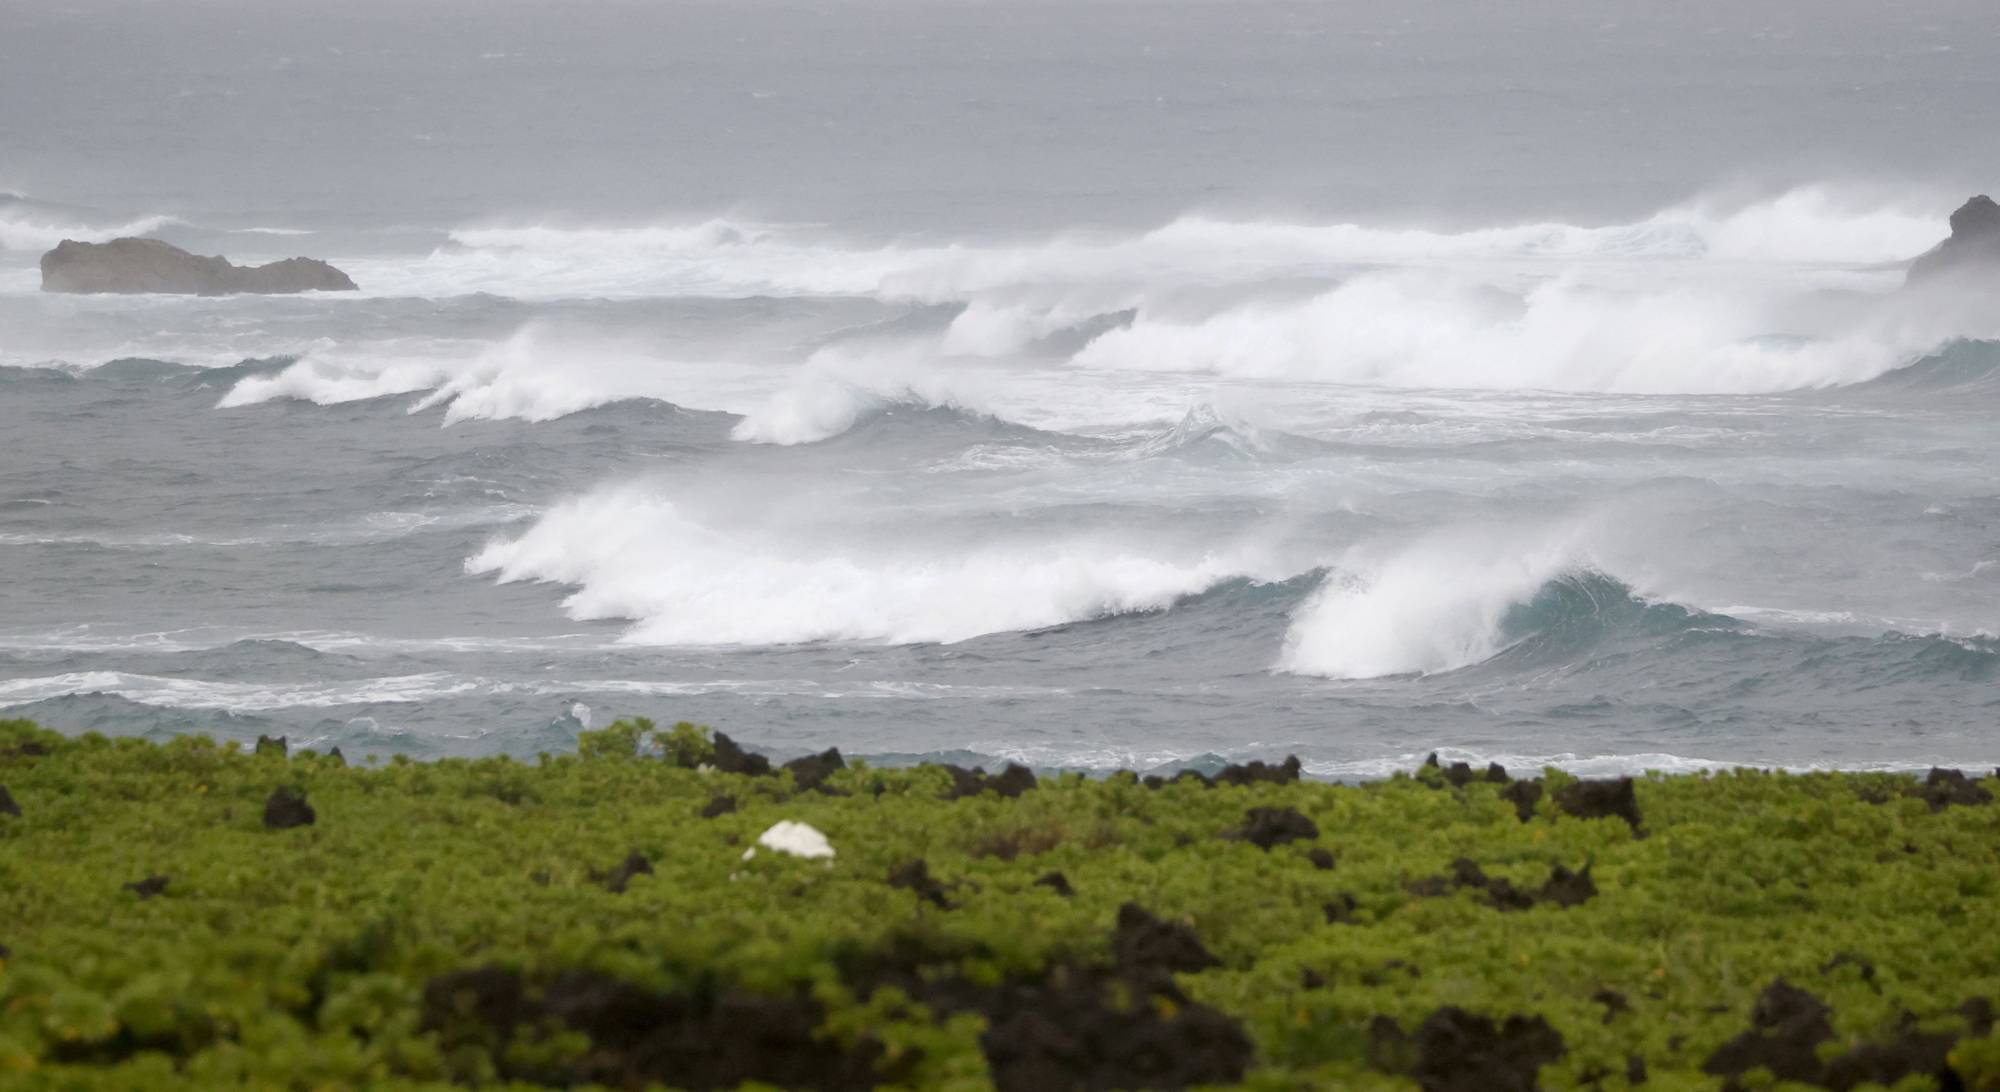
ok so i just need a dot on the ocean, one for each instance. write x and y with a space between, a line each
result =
1097 384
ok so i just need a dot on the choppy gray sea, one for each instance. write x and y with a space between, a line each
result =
1091 384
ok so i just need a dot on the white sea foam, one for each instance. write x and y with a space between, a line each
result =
1448 329
634 554
840 385
341 373
239 697
1813 226
1696 299
1519 764
536 374
1587 765
29 228
1433 605
540 373
369 527
258 697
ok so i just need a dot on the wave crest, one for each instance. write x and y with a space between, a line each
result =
635 554
1449 330
537 374
1439 605
1811 225
31 225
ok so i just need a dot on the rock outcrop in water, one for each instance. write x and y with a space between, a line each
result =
149 265
1974 245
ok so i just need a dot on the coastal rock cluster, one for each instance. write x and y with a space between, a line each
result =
132 266
1972 247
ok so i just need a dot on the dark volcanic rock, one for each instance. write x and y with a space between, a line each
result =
964 782
1023 841
1457 1051
149 265
1321 859
1459 774
1500 891
1787 1026
268 746
730 758
1250 773
1886 1063
1601 800
1614 1003
1058 883
1389 1045
1076 1034
1973 246
1566 889
1524 795
1944 788
1010 782
1267 827
812 770
720 805
286 809
639 1038
1144 942
1155 781
1013 781
1862 964
915 876
1978 1013
7 804
1079 1028
1563 888
634 864
148 887
1254 772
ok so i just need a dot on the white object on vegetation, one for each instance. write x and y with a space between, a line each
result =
797 839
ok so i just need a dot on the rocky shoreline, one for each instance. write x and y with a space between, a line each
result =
665 908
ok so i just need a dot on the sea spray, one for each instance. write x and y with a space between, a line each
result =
1433 605
633 553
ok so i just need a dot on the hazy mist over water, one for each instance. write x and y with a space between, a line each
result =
950 117
1090 383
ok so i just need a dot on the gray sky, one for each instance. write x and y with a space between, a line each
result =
927 115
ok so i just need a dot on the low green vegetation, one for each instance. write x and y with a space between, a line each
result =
198 915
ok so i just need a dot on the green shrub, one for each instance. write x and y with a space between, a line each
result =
320 956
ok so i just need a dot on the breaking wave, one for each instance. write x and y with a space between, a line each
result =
534 375
1442 606
1433 329
34 226
840 386
1101 273
1438 605
1206 432
634 554
1961 367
